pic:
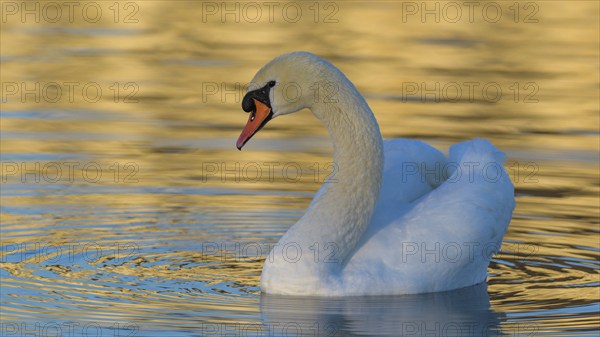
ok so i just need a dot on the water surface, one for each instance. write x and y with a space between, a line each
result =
128 211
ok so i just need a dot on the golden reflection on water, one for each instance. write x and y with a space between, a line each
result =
159 121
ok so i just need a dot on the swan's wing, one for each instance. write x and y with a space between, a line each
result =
411 169
445 239
474 205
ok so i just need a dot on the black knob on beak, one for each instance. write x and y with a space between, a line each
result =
248 102
261 94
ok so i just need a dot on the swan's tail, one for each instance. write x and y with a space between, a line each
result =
485 184
476 150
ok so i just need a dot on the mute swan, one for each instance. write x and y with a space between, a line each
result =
398 217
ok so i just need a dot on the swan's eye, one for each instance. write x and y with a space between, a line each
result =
252 116
271 84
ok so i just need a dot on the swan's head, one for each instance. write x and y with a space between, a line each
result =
286 84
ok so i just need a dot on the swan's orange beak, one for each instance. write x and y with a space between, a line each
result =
257 119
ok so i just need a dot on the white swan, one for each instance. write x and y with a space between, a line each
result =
416 222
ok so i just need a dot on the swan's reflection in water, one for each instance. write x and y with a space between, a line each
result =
463 312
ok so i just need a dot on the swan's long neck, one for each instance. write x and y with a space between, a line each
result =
340 213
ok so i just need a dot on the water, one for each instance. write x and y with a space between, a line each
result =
127 210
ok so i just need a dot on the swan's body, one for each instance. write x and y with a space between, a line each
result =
398 217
